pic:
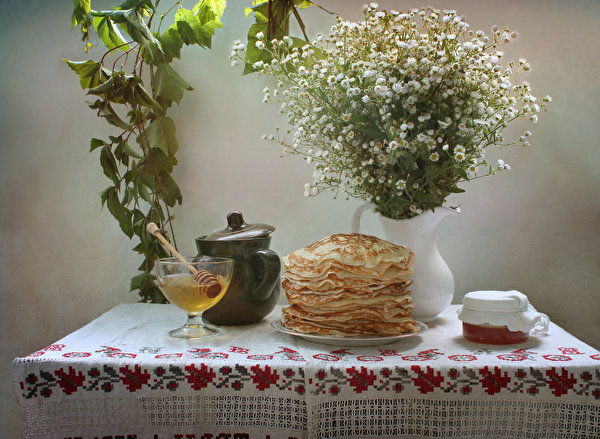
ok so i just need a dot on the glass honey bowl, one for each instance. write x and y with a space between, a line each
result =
190 294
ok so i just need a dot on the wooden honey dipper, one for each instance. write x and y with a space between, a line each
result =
209 281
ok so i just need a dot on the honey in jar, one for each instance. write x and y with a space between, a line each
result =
499 317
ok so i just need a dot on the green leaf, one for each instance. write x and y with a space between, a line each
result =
161 134
455 190
198 25
96 143
173 193
210 10
168 84
81 9
90 73
104 87
209 13
109 165
142 182
153 293
116 16
162 161
123 152
104 194
128 150
142 97
171 42
109 33
139 223
120 213
142 191
138 281
129 4
137 28
106 111
190 29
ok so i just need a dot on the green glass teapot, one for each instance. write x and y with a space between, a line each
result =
255 285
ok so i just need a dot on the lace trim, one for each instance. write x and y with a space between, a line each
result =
143 415
463 419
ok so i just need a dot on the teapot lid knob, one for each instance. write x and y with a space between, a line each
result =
235 220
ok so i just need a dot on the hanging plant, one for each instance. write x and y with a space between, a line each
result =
132 87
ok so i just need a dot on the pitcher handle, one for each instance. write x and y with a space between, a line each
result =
271 265
355 226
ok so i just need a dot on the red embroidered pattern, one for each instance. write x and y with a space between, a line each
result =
461 381
465 381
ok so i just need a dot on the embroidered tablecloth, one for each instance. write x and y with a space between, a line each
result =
121 376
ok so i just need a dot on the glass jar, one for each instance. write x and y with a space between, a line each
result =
500 317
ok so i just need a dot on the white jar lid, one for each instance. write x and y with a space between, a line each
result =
500 308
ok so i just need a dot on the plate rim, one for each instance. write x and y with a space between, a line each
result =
276 325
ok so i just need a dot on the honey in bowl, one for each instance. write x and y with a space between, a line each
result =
184 292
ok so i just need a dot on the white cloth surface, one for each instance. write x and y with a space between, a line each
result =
122 376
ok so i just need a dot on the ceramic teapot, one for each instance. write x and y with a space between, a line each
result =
255 285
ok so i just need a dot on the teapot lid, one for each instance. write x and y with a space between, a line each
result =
238 229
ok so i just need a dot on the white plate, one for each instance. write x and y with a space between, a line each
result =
348 341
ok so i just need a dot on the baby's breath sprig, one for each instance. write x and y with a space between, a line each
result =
397 109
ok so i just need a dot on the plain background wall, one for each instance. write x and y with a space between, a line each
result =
63 261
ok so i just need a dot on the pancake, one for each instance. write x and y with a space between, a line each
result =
349 284
352 328
358 288
382 315
349 249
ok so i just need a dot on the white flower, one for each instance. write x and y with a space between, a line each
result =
259 45
260 35
412 85
369 73
503 165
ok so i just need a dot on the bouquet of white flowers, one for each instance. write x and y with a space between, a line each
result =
397 109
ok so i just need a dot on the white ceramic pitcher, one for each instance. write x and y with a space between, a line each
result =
433 283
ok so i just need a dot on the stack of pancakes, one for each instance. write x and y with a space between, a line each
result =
349 285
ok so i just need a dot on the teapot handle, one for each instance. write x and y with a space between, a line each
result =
271 269
355 226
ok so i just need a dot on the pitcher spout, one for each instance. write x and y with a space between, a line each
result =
433 219
447 210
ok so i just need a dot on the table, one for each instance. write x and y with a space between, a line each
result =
121 376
